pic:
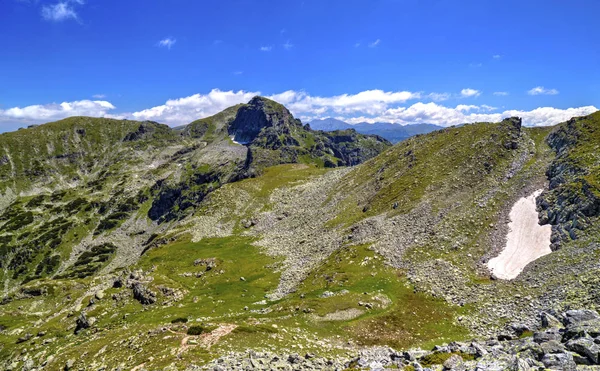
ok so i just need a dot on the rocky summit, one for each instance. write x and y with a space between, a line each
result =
248 240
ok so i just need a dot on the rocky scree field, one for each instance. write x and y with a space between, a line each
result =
130 245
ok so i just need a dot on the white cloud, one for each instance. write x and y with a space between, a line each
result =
167 42
540 90
98 96
368 101
238 72
468 92
60 11
288 45
366 106
475 65
36 114
266 48
497 56
446 116
185 110
438 97
374 43
500 93
356 45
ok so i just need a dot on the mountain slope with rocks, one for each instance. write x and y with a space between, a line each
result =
247 239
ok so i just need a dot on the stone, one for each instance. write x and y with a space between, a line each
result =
559 361
454 363
69 364
142 294
81 323
99 295
552 346
548 335
581 315
586 347
24 338
549 321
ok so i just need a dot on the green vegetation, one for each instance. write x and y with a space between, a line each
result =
440 358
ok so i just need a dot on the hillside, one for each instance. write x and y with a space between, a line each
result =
393 132
132 245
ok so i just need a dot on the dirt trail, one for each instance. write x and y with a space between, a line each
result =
526 240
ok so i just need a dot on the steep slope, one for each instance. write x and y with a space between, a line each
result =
85 195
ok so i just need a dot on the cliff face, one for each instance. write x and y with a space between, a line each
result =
572 202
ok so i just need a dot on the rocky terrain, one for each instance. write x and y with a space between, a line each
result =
249 240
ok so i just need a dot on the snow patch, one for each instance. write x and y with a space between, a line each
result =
526 240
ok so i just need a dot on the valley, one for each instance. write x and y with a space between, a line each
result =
250 238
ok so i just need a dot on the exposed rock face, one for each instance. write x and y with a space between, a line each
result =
81 323
272 136
573 199
268 117
142 294
145 130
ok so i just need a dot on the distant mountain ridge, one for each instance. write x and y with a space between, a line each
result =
393 132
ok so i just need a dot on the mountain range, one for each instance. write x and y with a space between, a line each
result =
249 240
392 132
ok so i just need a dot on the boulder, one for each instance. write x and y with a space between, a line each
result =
573 317
585 346
559 361
454 363
549 321
552 347
546 336
142 294
81 323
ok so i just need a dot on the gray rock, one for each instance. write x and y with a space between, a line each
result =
560 361
549 321
69 365
28 365
546 336
498 362
591 327
142 294
454 363
586 347
81 323
581 315
552 346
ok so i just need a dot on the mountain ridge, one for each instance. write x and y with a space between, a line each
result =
390 131
184 245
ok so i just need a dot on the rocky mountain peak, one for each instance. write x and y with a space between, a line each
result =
261 113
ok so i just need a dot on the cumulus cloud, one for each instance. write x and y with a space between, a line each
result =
36 114
185 110
496 56
445 116
61 11
167 42
468 92
366 106
266 48
500 93
98 96
368 101
540 90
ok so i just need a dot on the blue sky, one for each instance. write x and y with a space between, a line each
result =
438 61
